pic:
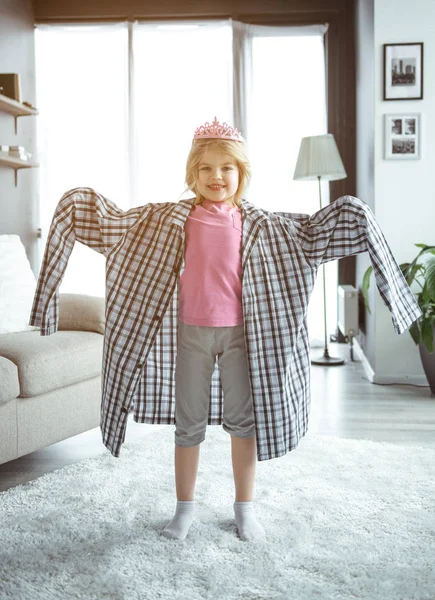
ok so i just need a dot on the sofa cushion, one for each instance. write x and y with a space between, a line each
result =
81 312
9 388
47 363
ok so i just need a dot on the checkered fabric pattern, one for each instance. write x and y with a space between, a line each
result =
144 250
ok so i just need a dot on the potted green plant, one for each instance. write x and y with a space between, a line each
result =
423 329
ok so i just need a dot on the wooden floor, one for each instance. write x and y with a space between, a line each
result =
343 403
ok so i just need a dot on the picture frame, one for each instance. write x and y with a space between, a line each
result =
403 71
402 139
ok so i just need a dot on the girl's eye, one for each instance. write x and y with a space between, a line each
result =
204 168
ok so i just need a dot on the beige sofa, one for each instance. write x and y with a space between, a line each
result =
50 386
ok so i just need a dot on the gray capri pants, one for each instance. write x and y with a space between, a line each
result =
197 347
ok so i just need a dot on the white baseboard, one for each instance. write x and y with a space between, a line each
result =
374 378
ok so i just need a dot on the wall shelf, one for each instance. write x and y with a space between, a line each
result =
15 163
16 108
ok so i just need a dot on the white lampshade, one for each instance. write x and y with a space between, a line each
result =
319 157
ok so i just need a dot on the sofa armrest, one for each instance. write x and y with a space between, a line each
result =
79 312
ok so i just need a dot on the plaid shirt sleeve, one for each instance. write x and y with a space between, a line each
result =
348 226
83 215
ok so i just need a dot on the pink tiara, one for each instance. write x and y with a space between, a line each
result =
217 130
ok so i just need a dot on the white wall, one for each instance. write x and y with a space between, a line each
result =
403 190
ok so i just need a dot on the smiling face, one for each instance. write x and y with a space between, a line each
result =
218 176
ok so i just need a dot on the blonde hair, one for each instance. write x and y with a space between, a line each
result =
235 149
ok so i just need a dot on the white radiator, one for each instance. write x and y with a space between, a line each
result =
348 310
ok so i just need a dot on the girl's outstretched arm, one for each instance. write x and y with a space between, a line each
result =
348 226
82 215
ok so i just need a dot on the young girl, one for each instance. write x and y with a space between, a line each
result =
162 329
211 324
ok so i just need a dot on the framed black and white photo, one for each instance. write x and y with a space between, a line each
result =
403 71
402 136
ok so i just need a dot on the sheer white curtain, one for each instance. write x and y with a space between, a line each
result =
119 103
284 70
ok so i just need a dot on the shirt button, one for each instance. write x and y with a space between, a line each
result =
140 365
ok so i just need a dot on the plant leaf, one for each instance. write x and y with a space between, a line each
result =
425 293
430 277
413 272
415 261
414 330
365 287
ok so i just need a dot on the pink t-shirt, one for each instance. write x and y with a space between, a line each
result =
211 283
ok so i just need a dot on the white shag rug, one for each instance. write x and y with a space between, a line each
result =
345 519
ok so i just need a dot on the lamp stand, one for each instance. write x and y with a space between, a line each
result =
325 359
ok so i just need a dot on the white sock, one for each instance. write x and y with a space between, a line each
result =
248 526
179 526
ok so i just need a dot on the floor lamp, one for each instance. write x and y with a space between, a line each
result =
319 159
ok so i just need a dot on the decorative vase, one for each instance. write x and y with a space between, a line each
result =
428 362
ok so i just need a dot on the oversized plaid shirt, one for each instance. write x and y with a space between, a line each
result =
144 250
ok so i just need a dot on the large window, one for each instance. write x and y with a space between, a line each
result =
82 97
288 103
119 103
182 77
